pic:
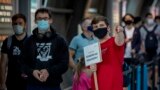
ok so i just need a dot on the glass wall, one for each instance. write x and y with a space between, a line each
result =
6 11
35 4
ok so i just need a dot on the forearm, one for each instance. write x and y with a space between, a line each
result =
71 61
119 38
3 75
58 69
72 65
61 64
3 69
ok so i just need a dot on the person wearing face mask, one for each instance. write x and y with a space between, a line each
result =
149 36
131 45
130 32
109 71
46 55
10 64
80 41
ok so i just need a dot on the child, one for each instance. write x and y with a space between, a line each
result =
82 77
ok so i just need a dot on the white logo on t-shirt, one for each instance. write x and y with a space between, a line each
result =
16 50
43 50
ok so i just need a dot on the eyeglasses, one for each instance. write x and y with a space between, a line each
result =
42 18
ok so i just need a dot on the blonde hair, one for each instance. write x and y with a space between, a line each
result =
80 66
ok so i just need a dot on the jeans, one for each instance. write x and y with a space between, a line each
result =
34 87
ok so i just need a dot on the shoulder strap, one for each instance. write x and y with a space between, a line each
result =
152 30
124 31
9 42
145 29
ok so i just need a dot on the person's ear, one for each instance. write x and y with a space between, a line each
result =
50 21
25 25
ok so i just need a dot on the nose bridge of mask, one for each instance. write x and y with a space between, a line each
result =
15 27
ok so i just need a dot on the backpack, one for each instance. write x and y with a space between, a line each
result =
151 41
9 42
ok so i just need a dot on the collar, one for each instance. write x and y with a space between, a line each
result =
86 37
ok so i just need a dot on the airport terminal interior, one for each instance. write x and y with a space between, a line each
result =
67 15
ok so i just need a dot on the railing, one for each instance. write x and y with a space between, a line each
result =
138 72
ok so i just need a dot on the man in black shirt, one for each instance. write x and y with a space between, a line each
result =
10 56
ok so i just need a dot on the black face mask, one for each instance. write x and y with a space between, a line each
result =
100 32
128 22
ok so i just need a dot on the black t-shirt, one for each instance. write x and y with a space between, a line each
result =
14 53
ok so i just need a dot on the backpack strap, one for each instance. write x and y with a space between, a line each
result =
152 30
9 42
124 32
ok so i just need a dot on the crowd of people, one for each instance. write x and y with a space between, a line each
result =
38 61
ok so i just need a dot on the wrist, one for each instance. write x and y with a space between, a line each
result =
119 29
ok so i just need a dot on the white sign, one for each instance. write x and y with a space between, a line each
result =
92 54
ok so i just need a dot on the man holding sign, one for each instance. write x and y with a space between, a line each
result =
109 71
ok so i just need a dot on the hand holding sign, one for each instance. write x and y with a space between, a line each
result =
92 55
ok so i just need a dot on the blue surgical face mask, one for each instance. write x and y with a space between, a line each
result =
43 25
18 29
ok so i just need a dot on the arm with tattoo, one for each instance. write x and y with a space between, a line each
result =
119 36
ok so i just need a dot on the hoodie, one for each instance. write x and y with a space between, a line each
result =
45 52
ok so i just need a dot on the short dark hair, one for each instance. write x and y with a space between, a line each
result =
157 17
99 18
128 14
148 14
137 19
19 15
43 10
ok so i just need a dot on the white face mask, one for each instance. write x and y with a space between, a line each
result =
18 29
150 21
